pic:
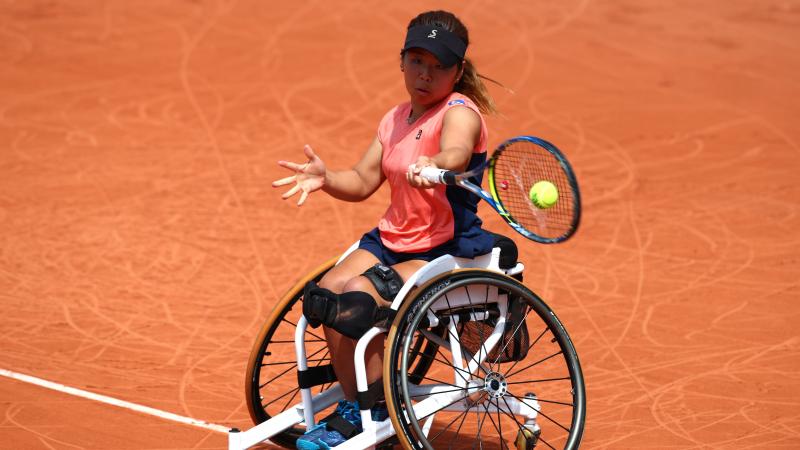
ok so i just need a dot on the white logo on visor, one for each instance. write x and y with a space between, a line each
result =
433 34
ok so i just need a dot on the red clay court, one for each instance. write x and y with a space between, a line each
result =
142 245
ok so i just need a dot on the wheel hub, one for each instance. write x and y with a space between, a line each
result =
495 385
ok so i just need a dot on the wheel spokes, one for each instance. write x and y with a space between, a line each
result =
539 363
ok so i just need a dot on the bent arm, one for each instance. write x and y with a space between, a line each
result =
359 182
461 131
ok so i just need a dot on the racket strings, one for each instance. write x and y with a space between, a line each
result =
521 165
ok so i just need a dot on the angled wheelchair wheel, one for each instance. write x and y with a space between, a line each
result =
504 373
271 385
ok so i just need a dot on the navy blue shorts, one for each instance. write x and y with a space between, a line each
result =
477 243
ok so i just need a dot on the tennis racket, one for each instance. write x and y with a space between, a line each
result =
515 166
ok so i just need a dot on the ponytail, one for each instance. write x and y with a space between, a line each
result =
471 85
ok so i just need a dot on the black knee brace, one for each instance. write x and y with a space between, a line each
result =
351 313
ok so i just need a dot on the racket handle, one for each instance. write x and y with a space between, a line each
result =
440 176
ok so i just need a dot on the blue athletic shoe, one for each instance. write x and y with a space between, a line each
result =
320 437
379 412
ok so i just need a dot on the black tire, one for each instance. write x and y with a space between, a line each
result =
271 380
549 369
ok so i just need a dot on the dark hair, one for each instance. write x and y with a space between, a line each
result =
470 83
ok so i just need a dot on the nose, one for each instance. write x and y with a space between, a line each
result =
425 72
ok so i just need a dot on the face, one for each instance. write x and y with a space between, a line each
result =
427 82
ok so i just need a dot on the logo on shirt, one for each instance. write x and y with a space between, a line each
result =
457 101
419 134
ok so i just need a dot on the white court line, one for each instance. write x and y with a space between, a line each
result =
113 401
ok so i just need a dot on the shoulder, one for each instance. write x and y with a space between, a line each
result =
462 113
457 100
462 117
459 108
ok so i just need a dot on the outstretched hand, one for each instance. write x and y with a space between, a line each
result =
308 177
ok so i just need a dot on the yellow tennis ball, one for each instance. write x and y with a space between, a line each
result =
543 194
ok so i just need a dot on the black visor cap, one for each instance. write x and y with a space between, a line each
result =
448 48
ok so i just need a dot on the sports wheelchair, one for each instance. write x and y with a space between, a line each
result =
473 358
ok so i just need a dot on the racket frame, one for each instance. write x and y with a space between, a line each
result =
492 197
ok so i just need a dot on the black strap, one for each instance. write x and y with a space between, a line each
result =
315 376
384 316
374 394
340 424
385 279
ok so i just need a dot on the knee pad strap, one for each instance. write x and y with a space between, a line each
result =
385 279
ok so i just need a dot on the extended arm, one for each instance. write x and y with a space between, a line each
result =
361 181
351 185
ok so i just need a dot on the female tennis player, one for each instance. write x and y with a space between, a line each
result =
440 126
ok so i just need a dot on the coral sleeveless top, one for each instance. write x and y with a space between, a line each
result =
418 220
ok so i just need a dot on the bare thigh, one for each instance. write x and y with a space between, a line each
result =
407 268
354 265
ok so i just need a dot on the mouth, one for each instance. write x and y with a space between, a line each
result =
422 91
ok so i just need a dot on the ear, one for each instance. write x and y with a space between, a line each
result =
460 73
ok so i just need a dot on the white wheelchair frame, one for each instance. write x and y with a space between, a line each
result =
375 432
